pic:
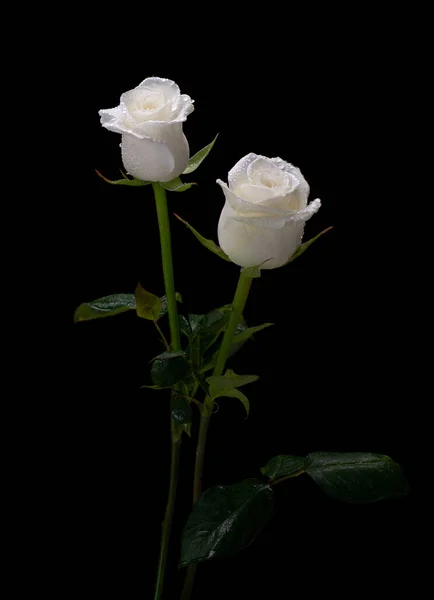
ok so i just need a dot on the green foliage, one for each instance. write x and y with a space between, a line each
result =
148 305
169 368
176 185
107 306
284 466
125 181
199 157
303 247
209 244
225 520
357 477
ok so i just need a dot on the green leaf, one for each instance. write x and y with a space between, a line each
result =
154 387
225 520
125 181
105 307
194 321
303 247
196 160
211 354
357 477
247 333
233 393
176 185
168 368
207 243
284 465
229 381
148 305
207 327
164 307
181 409
184 325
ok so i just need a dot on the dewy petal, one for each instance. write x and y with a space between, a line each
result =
168 88
306 213
113 120
244 207
134 99
238 174
303 186
276 223
182 107
161 160
248 244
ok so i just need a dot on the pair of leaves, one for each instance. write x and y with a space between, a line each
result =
254 271
242 334
176 185
356 477
226 519
147 305
226 386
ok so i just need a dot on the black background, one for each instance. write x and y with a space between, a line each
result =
332 369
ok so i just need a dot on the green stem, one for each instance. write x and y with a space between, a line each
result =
167 523
163 337
166 254
238 304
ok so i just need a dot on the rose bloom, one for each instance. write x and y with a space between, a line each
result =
265 211
150 117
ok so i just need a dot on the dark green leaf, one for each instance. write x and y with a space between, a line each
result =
168 368
125 181
284 465
194 320
207 328
303 247
181 409
176 185
233 393
210 357
148 305
207 243
184 326
356 477
168 355
196 160
105 307
225 520
164 308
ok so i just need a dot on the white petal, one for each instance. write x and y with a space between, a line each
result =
238 174
244 207
155 160
303 186
168 88
113 120
301 216
182 107
247 245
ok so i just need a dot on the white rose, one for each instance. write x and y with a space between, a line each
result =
265 211
150 118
